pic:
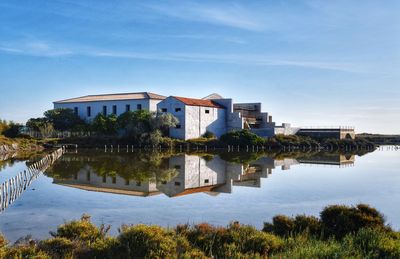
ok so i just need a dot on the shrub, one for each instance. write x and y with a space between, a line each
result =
339 220
101 248
209 134
282 225
12 130
143 241
58 247
309 224
262 243
81 230
242 138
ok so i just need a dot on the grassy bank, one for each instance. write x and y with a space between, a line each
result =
23 144
339 232
380 139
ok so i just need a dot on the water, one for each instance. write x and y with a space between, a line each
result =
167 189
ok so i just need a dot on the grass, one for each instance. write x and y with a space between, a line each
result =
286 237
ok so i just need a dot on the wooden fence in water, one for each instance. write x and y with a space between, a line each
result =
12 189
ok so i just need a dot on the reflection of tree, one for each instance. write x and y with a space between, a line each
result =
140 167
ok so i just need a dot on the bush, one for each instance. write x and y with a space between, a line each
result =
143 241
13 130
242 138
209 135
58 247
340 220
282 225
81 230
308 224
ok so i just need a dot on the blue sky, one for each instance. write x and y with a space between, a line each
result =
308 62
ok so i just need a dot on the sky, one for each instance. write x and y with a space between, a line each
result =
310 63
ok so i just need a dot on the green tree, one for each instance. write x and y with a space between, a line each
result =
63 119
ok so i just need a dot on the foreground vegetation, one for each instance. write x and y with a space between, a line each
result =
340 232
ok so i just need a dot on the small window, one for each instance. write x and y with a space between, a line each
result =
178 126
138 184
127 108
76 176
206 181
163 182
88 176
114 109
138 107
177 184
164 110
76 110
207 111
105 110
88 111
177 109
178 167
104 178
114 179
127 182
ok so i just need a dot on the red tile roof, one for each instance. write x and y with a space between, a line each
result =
198 102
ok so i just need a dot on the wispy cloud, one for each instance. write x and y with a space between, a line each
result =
232 15
44 49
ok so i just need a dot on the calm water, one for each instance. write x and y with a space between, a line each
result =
162 189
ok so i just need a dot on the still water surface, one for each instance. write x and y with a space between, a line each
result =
165 189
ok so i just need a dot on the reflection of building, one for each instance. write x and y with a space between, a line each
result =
88 179
197 174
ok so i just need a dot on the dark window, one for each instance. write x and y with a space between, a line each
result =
76 176
114 109
164 110
177 109
88 111
164 182
114 179
206 181
207 111
138 107
178 126
88 176
127 182
76 110
138 184
105 110
177 184
104 178
127 108
177 167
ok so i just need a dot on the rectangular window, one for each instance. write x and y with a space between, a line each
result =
105 110
76 110
138 107
178 126
104 178
164 182
206 181
164 110
114 109
138 184
114 180
127 108
88 176
127 182
89 111
207 111
177 184
177 109
76 176
177 167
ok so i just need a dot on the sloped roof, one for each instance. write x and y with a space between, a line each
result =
213 96
197 190
198 102
113 97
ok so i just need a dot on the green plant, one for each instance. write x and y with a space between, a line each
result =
209 135
308 224
143 241
242 138
58 247
340 220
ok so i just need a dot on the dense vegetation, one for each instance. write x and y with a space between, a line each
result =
340 232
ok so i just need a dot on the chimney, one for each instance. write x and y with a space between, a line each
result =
270 119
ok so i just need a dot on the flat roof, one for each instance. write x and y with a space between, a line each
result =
113 97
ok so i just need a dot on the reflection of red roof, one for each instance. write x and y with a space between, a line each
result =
198 102
197 190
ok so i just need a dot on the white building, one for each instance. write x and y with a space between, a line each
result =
87 107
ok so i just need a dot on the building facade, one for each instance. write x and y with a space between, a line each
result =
88 107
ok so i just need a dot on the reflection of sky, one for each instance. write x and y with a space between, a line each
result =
10 171
374 179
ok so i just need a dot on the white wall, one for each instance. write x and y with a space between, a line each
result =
171 104
199 122
97 107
